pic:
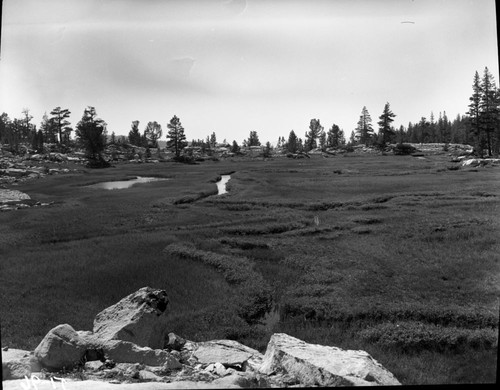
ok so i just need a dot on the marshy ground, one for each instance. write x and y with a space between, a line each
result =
395 255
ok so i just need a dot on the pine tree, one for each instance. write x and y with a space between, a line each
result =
213 140
386 131
90 133
267 150
26 128
352 138
446 129
292 144
253 139
475 113
134 135
59 118
364 130
489 108
235 147
48 129
153 133
315 129
332 140
322 140
39 139
176 139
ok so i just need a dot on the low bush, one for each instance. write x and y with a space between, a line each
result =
418 336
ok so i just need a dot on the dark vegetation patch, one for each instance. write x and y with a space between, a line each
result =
243 244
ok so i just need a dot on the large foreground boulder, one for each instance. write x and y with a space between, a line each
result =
61 348
139 318
318 365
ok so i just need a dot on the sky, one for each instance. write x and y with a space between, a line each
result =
235 66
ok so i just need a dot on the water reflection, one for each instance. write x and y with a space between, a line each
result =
123 184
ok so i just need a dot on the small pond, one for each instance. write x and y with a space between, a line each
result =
123 184
221 184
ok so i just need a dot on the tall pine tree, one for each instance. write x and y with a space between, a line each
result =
364 130
176 139
386 131
59 119
134 135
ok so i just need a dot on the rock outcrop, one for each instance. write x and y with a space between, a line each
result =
318 365
123 352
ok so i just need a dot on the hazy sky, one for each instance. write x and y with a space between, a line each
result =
237 66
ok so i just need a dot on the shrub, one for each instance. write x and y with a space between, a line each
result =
403 149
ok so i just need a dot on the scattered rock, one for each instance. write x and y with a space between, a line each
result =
318 365
12 195
139 318
94 365
475 162
175 342
227 352
126 352
17 363
149 376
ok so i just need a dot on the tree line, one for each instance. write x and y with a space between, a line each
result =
480 127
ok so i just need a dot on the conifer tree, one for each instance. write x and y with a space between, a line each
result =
364 130
90 133
322 140
48 129
59 119
253 139
315 130
235 148
292 143
213 140
176 139
134 135
152 133
489 108
385 129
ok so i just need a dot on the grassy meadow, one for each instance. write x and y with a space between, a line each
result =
395 255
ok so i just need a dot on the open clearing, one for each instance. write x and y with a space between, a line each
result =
395 255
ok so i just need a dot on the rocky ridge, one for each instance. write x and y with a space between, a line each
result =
130 347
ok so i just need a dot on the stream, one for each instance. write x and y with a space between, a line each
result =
221 184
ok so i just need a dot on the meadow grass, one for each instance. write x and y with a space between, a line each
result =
391 254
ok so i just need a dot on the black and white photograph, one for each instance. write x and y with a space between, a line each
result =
249 193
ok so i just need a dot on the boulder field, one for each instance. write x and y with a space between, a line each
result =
130 348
